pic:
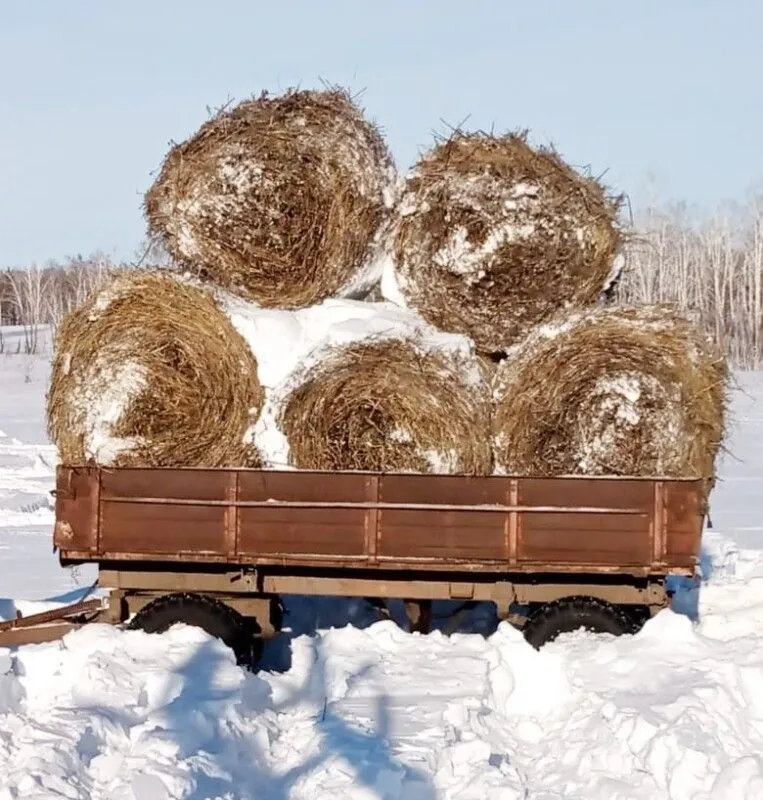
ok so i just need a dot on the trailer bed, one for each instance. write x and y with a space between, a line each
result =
378 522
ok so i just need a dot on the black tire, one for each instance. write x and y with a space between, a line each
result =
571 613
216 618
639 616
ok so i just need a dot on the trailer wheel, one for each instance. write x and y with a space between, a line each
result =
639 616
216 618
571 613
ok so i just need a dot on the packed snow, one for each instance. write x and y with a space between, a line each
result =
347 706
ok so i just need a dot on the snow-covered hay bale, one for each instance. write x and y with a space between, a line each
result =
615 390
281 200
493 236
390 406
150 372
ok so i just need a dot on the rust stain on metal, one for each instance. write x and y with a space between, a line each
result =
63 531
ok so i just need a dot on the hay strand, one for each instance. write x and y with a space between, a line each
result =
149 372
280 200
632 391
493 237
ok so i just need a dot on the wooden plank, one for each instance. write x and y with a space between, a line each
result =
17 637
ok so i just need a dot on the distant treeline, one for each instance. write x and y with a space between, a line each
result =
712 268
37 296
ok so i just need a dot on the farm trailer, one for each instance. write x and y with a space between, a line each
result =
218 548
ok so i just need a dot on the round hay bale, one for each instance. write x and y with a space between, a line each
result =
149 372
493 236
389 406
281 200
633 391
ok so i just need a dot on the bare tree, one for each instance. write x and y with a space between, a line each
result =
711 268
43 296
29 289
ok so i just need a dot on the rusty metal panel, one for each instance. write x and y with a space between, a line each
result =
76 525
586 538
176 484
337 532
163 529
372 519
441 489
445 535
449 535
310 487
684 516
511 525
427 522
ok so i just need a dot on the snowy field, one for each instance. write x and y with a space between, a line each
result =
368 712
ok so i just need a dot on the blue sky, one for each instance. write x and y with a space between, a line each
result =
91 92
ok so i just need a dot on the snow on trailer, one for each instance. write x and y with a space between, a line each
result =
217 548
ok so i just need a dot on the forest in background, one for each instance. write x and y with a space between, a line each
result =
711 268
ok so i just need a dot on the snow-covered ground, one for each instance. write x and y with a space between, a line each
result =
373 712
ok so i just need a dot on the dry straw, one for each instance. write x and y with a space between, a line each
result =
620 391
389 406
493 236
278 199
150 372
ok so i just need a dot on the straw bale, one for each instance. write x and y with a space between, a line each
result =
281 200
493 236
390 406
150 372
616 390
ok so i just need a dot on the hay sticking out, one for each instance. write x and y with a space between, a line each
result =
150 372
389 406
611 391
493 237
281 200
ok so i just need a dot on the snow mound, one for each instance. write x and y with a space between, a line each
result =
670 712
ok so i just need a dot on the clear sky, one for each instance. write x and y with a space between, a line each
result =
92 91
